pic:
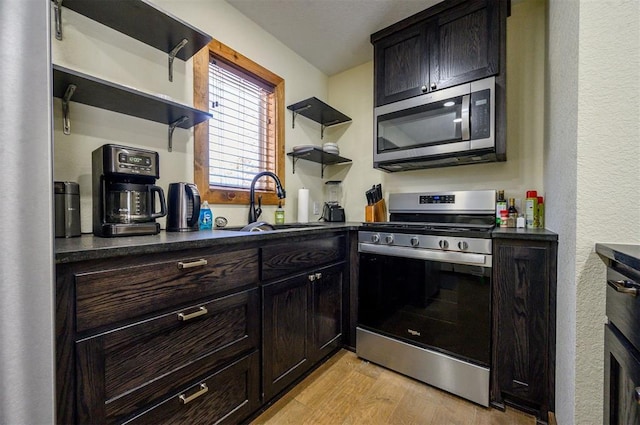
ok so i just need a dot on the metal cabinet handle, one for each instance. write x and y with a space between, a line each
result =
636 395
188 265
624 287
423 88
433 86
318 275
201 312
184 399
312 277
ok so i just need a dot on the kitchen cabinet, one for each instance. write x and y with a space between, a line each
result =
302 312
621 333
524 320
451 43
168 337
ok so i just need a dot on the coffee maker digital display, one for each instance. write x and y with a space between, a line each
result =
124 191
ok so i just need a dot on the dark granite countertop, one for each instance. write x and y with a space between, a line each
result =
524 233
629 255
89 247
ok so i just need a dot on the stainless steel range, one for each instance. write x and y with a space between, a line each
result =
424 290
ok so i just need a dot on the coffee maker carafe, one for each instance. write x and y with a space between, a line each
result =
124 191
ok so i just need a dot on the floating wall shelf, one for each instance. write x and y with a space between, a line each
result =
143 21
314 154
318 111
75 86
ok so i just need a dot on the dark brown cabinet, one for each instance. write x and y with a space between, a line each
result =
621 379
451 43
163 338
523 305
302 322
621 399
302 310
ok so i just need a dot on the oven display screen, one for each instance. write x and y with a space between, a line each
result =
438 199
134 159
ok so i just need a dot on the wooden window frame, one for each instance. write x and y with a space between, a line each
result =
226 195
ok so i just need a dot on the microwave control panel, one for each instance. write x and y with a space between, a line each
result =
480 114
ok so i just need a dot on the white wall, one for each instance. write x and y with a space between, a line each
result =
352 93
560 179
98 50
594 145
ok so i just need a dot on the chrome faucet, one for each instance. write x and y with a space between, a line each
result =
254 212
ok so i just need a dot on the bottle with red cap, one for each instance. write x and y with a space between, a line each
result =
531 209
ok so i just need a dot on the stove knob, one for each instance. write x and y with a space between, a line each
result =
462 245
443 244
388 239
414 241
375 238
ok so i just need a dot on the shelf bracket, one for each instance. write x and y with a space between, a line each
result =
57 10
172 56
295 112
172 127
66 121
325 125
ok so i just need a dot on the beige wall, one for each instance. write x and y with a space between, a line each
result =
352 93
97 50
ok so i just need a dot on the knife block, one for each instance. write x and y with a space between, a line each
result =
376 212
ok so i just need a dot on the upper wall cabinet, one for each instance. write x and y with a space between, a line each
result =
451 43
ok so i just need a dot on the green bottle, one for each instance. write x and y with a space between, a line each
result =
279 214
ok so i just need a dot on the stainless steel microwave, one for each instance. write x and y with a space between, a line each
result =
454 126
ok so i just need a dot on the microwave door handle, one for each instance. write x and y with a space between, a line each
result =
465 116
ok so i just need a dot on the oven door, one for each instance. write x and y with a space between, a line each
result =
438 305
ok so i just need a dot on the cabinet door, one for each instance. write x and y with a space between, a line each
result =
522 323
286 307
326 317
621 379
464 44
401 65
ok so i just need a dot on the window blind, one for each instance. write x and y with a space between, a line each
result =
241 133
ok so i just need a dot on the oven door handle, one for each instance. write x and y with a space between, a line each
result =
427 254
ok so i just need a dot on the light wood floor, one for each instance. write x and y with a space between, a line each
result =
347 390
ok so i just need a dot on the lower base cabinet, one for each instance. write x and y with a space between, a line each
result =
621 379
302 323
523 305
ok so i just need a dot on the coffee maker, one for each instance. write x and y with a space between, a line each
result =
124 191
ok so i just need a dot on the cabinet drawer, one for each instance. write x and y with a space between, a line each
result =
286 258
623 305
124 371
228 396
109 297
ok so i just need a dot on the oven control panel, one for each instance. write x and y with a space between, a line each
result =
437 199
433 242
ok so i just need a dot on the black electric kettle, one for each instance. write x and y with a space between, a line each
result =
183 207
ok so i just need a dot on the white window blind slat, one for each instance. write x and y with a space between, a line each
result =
239 145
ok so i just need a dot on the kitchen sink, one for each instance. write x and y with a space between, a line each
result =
263 226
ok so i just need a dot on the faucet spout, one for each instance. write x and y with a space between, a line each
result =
254 212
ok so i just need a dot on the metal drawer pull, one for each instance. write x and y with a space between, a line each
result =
198 263
203 389
624 287
201 311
